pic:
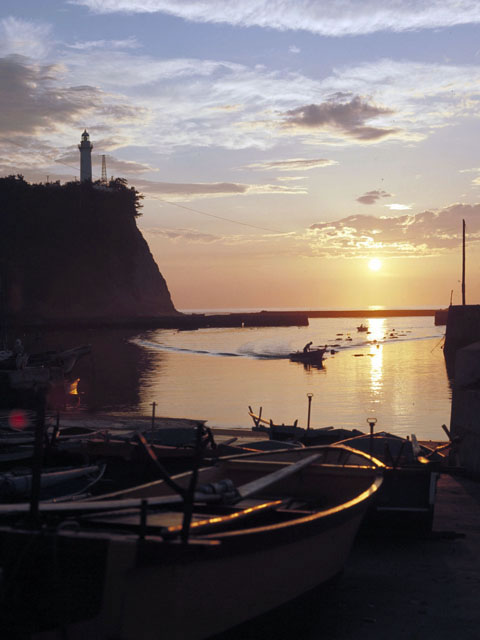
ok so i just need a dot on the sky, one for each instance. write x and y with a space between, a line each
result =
280 146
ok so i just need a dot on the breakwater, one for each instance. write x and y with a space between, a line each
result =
187 322
370 313
191 321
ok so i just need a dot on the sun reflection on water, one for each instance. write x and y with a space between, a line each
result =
376 328
376 368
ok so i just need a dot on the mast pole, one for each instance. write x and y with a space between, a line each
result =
463 263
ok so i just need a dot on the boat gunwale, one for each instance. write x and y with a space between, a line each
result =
316 515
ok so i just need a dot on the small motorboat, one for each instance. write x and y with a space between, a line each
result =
313 356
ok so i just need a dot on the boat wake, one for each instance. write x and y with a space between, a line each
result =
155 346
277 349
245 351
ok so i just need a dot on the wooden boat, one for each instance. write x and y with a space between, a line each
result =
55 483
128 462
407 498
65 360
362 327
294 433
21 375
250 534
18 445
314 356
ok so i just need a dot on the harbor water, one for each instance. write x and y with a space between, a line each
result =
395 373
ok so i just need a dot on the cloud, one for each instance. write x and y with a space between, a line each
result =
346 117
185 235
115 166
189 191
37 102
34 102
371 197
24 38
472 170
424 234
398 207
174 104
128 43
333 18
293 49
293 164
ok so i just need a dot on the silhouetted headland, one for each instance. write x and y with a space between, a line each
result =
73 253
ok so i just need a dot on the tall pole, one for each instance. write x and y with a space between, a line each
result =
309 396
463 264
40 400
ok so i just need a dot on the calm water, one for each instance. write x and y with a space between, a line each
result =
395 373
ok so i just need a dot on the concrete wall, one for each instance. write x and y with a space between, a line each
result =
465 416
463 328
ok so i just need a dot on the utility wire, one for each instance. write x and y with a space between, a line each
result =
173 204
211 215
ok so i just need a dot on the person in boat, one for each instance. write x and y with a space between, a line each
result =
306 348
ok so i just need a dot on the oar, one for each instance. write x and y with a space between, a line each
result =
249 489
243 492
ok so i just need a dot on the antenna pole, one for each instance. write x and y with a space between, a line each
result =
104 170
463 263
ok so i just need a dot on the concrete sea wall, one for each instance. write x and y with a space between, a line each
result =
465 415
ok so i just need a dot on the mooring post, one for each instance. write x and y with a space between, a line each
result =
189 496
372 422
309 396
154 404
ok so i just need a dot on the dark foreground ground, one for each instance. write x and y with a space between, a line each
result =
396 588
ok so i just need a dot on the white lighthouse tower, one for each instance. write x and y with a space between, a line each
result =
85 147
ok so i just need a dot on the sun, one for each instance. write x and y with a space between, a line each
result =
375 264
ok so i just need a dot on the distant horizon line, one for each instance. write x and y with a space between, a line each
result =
305 309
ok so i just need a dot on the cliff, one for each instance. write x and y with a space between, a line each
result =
74 252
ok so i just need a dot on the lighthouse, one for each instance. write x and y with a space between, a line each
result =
85 147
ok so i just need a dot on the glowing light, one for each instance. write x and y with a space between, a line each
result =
375 264
18 419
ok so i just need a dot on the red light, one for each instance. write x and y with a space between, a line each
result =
17 419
